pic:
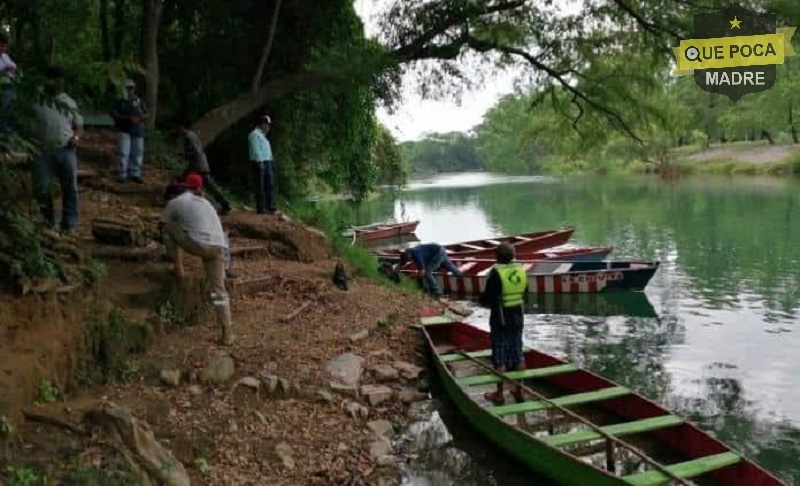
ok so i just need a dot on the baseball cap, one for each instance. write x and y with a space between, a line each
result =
129 83
193 181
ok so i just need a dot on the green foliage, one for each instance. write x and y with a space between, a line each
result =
445 152
24 476
7 427
110 342
48 393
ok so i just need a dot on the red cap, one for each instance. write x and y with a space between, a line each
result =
193 181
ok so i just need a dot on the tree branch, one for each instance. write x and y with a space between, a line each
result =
646 24
485 46
273 26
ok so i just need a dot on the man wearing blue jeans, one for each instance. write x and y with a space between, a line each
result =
58 129
261 158
129 114
428 258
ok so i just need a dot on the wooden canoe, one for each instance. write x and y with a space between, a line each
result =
577 428
553 276
378 231
576 254
485 248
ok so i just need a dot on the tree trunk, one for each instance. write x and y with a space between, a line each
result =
791 123
105 38
216 121
267 48
765 134
152 20
119 28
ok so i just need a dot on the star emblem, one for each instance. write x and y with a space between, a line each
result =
735 23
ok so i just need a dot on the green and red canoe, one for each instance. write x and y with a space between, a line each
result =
572 451
485 248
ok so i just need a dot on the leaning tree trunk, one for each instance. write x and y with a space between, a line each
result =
216 121
152 20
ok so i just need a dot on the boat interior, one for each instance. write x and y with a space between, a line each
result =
588 417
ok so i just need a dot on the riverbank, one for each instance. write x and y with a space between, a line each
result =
315 386
739 158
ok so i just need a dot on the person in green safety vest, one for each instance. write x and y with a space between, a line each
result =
505 293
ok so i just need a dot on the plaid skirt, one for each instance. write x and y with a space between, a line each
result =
507 339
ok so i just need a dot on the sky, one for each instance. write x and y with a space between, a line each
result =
414 116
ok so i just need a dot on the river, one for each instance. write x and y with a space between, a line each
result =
715 336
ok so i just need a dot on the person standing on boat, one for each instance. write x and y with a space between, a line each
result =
428 258
191 223
506 288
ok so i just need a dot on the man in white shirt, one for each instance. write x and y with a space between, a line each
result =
191 223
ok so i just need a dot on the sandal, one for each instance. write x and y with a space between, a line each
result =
495 398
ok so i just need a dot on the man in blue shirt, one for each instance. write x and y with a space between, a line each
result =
428 258
129 115
261 158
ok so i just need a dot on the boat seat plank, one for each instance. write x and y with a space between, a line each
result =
485 271
628 428
527 266
483 353
518 375
684 470
563 268
565 401
471 247
434 320
494 242
466 266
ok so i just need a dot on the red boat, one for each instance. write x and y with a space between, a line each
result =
378 231
574 254
485 248
552 276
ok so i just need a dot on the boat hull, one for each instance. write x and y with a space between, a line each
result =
608 276
486 248
384 231
692 452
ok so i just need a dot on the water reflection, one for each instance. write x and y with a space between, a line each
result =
716 337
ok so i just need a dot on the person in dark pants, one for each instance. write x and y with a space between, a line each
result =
261 158
428 258
58 128
506 289
197 162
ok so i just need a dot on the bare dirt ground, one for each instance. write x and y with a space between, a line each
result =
274 419
756 154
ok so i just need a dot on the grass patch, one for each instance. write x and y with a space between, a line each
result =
787 167
333 221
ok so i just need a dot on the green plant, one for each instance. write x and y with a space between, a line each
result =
48 393
23 476
7 428
97 270
202 466
169 313
130 370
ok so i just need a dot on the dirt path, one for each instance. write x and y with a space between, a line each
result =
292 429
758 154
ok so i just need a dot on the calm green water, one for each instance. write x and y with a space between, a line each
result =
716 336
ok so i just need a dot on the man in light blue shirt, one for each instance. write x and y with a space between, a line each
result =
261 158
